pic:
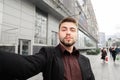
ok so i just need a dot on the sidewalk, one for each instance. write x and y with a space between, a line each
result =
105 70
102 70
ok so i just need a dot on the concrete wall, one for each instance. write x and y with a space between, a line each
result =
18 21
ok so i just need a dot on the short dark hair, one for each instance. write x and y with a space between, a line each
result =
68 19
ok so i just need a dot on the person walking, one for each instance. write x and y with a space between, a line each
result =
104 54
117 50
110 50
62 62
113 54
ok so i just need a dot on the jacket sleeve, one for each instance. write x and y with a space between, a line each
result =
21 67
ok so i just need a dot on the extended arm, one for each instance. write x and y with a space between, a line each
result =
19 66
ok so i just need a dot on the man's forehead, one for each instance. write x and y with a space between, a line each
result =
68 24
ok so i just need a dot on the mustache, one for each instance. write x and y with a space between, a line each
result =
66 37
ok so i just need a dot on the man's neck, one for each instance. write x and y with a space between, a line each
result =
69 49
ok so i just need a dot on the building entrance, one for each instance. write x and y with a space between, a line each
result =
24 47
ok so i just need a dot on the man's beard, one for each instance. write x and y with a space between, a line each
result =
67 44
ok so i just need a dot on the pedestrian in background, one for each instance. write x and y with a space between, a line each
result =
110 50
103 54
117 50
113 54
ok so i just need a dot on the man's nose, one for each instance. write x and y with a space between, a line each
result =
68 31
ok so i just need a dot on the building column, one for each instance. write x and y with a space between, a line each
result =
1 14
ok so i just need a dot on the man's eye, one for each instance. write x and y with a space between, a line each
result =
63 29
73 30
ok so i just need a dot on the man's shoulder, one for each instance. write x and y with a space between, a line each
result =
47 48
83 57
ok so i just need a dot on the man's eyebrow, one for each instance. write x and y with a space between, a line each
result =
72 28
63 27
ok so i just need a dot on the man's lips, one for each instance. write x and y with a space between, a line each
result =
68 38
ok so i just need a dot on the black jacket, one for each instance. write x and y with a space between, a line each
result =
48 61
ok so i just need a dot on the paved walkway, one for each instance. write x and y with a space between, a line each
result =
105 70
102 70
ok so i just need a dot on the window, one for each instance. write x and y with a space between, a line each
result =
54 38
40 27
24 47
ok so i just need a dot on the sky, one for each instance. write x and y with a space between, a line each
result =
107 15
